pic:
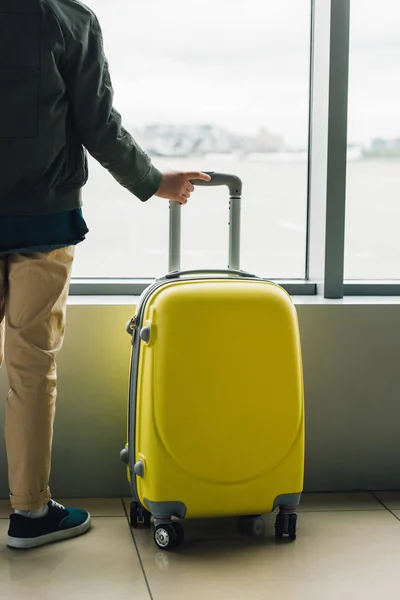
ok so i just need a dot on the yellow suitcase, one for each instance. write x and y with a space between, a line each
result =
216 409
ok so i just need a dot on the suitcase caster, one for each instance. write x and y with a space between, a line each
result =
286 525
139 516
251 526
168 536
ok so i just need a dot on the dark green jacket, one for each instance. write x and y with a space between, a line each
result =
56 100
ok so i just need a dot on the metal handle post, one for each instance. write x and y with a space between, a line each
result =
175 229
234 233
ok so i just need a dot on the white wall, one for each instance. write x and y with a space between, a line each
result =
351 354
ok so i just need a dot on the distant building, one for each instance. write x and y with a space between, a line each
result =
383 148
268 142
199 140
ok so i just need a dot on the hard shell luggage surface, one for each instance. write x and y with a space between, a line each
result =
216 412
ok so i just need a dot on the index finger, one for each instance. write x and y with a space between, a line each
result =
199 175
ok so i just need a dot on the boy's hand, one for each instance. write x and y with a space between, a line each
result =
176 186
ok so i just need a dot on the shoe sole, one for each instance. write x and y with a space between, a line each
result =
49 538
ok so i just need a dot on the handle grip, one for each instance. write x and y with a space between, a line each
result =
233 182
238 273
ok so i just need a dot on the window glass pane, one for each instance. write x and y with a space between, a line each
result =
210 86
373 179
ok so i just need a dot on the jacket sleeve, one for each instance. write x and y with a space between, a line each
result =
97 123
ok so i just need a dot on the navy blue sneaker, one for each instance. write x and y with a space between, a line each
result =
60 523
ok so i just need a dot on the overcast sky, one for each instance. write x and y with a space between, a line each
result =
245 64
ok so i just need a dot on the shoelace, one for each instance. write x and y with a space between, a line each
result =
57 504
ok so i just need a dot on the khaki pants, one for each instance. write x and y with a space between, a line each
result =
33 299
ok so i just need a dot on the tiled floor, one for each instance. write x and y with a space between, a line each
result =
348 548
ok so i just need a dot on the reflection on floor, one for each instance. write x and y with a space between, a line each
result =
348 548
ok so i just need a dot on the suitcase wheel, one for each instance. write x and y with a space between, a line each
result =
286 525
252 526
168 536
139 516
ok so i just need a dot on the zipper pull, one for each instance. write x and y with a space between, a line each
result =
132 326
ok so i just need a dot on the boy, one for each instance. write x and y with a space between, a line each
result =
56 98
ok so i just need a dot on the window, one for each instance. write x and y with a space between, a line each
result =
373 172
207 85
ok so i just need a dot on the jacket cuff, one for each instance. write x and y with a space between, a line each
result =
149 185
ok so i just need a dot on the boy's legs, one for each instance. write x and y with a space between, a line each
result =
35 287
35 310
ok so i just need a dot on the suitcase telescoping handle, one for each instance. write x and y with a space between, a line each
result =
234 185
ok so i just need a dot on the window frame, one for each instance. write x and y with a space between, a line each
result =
327 170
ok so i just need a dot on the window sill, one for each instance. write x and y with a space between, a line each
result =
126 292
316 300
135 287
360 300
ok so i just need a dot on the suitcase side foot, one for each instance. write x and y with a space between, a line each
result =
288 501
167 509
